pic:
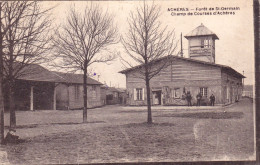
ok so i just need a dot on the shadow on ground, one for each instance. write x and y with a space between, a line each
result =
133 111
39 125
146 125
207 115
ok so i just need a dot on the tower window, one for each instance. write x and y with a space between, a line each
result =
205 43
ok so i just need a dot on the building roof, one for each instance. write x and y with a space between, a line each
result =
121 90
35 72
76 78
224 67
113 89
201 31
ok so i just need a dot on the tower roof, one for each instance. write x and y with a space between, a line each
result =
201 31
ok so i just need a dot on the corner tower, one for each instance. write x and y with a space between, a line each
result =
202 44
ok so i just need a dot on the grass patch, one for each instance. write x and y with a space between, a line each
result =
56 137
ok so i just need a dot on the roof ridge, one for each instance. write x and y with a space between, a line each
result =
54 72
201 30
182 58
68 77
68 73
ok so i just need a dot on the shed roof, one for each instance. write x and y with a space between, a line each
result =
201 31
170 57
113 89
35 72
76 78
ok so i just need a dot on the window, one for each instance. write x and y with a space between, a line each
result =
139 92
92 91
204 91
94 94
115 94
205 43
227 92
176 93
76 91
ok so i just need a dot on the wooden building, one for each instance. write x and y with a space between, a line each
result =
34 89
42 89
69 93
113 95
197 74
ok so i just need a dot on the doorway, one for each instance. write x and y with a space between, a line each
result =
157 97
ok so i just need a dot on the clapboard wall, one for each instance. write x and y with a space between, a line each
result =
178 73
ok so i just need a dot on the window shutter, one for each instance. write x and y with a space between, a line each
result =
143 93
134 93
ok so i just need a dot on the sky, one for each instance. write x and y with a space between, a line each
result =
235 47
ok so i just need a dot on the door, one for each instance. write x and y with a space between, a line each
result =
157 97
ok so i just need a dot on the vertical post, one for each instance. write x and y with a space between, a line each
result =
188 49
54 97
31 99
181 47
243 82
257 70
243 78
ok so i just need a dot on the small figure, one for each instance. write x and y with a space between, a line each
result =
183 97
188 97
198 98
212 100
11 137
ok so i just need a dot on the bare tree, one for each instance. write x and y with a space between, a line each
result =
145 42
25 42
2 32
83 40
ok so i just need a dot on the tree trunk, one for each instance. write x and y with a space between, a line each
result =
11 84
1 82
85 97
11 105
149 110
1 111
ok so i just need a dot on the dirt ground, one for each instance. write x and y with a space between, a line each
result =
120 134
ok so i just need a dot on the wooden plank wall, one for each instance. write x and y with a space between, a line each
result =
180 74
64 92
181 70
